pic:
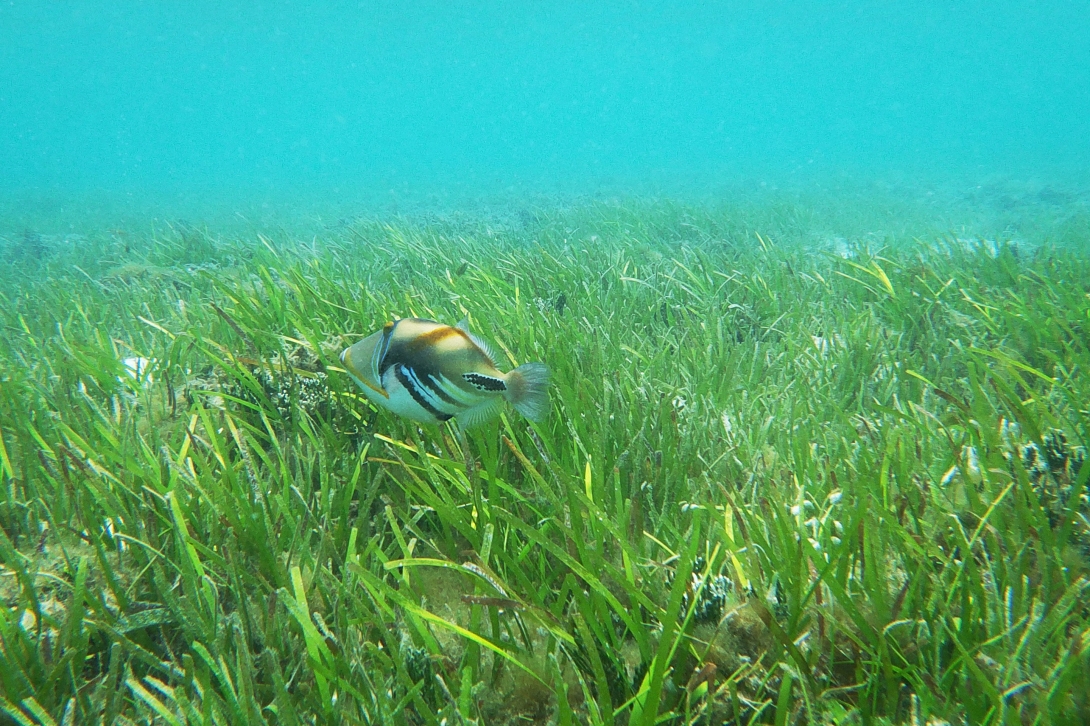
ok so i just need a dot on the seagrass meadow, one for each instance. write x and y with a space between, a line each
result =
795 471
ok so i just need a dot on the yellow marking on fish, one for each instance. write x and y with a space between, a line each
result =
434 337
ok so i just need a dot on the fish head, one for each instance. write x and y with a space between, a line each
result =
363 359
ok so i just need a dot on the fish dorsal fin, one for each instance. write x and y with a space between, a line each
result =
463 325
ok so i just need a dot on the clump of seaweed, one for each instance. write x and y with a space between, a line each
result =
29 247
289 388
1054 468
712 592
33 245
290 394
420 669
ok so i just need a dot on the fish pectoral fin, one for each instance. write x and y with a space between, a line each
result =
480 413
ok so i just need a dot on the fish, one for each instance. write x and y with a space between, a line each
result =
430 373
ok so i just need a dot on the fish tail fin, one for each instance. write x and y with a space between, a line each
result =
528 390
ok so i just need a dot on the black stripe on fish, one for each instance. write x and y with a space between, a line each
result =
427 385
484 383
437 388
410 383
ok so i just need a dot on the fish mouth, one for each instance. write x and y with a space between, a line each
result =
361 380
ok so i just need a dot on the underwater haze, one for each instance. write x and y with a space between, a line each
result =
581 364
314 100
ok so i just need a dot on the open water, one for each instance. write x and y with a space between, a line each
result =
183 107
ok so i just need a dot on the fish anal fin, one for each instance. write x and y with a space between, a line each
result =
480 413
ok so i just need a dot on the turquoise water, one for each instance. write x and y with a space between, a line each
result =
317 101
812 282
